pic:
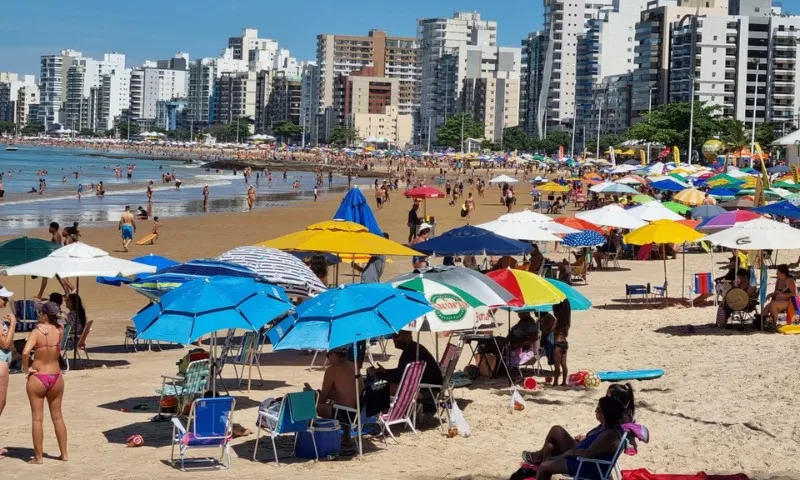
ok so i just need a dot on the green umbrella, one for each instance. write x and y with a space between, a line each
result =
677 207
18 251
642 198
790 186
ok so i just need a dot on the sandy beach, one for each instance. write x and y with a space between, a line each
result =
723 406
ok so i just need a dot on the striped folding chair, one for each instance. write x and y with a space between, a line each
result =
404 403
187 388
702 284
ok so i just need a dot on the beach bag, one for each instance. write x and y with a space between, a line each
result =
459 421
271 406
516 402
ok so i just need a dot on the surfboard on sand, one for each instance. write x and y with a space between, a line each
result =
630 375
148 239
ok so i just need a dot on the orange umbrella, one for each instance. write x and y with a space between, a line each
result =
579 224
689 223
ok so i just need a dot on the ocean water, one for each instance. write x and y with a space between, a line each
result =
21 211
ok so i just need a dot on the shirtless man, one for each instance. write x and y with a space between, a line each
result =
205 198
127 226
339 387
251 197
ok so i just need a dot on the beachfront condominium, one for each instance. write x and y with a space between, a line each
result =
154 81
95 95
284 102
443 56
259 53
235 97
388 56
309 100
552 70
18 93
53 87
203 75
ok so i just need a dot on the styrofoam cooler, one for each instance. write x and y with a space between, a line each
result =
327 435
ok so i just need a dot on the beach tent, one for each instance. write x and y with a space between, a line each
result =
503 179
354 208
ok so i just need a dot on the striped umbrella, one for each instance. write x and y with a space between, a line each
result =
586 238
454 309
277 267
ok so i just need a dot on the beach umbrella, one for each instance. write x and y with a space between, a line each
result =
154 260
758 234
528 288
553 187
586 238
539 219
277 267
691 196
653 211
611 216
632 180
642 198
17 251
170 278
617 189
355 208
339 236
344 316
503 179
528 231
707 211
470 240
728 219
600 186
669 184
486 290
424 192
722 192
577 300
738 203
578 224
794 198
779 169
781 209
454 309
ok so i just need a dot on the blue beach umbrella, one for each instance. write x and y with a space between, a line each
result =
586 238
782 209
153 260
669 184
469 240
354 208
173 277
707 211
722 192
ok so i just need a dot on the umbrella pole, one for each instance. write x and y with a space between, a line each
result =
75 329
358 397
666 283
214 363
683 275
250 367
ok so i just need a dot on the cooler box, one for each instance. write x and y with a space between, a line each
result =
327 435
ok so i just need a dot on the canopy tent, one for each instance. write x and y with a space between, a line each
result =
355 208
503 179
611 216
469 240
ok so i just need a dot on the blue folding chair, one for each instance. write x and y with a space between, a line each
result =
209 425
295 414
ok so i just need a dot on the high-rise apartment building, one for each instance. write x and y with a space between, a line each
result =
84 105
309 100
53 87
493 101
258 52
203 74
150 83
388 56
534 53
285 99
235 97
17 94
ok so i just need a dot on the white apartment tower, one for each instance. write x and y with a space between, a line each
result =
53 87
258 52
17 94
150 84
84 99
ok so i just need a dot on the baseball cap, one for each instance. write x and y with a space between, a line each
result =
6 293
51 309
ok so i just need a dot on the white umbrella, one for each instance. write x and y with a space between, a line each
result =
503 179
652 211
277 267
530 231
618 189
600 186
611 216
758 234
454 309
541 220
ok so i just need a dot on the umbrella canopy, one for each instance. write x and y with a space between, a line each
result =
707 211
728 219
540 220
277 267
154 260
552 187
486 290
781 209
669 184
690 196
201 307
342 316
79 260
354 208
529 231
611 216
642 198
652 211
738 203
618 189
662 231
339 236
578 224
16 251
632 180
528 288
758 234
587 238
424 192
168 279
779 169
723 192
503 179
677 207
577 300
454 309
469 240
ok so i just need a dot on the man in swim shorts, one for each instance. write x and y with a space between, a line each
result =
127 226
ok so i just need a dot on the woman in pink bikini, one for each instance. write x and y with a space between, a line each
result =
44 378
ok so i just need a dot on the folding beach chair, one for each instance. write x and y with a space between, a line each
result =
65 338
702 284
642 290
224 357
441 394
209 425
578 272
593 469
295 414
404 402
248 354
659 291
130 337
186 388
82 340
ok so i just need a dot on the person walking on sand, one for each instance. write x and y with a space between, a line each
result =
45 380
149 191
127 226
205 198
7 331
251 197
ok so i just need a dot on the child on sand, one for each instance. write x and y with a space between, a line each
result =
152 238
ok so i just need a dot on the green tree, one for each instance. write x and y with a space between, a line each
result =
554 140
219 132
342 136
449 134
515 138
669 125
122 128
32 129
8 128
287 130
606 140
180 135
238 129
766 133
735 136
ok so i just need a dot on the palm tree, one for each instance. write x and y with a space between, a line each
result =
735 138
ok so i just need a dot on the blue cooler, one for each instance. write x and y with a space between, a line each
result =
327 435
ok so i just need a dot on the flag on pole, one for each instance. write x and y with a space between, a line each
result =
613 156
676 154
644 157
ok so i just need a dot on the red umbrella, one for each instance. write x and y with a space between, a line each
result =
425 193
579 224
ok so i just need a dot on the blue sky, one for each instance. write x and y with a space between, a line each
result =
157 29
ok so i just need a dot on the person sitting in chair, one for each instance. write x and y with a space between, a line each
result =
560 452
411 351
742 281
338 387
785 289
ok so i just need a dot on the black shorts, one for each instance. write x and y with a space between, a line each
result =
563 345
345 417
379 201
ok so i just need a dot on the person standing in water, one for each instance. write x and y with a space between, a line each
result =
205 198
251 197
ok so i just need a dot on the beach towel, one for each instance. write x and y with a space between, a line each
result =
703 283
644 252
643 474
792 309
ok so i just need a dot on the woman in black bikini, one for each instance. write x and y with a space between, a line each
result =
45 380
563 313
785 289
